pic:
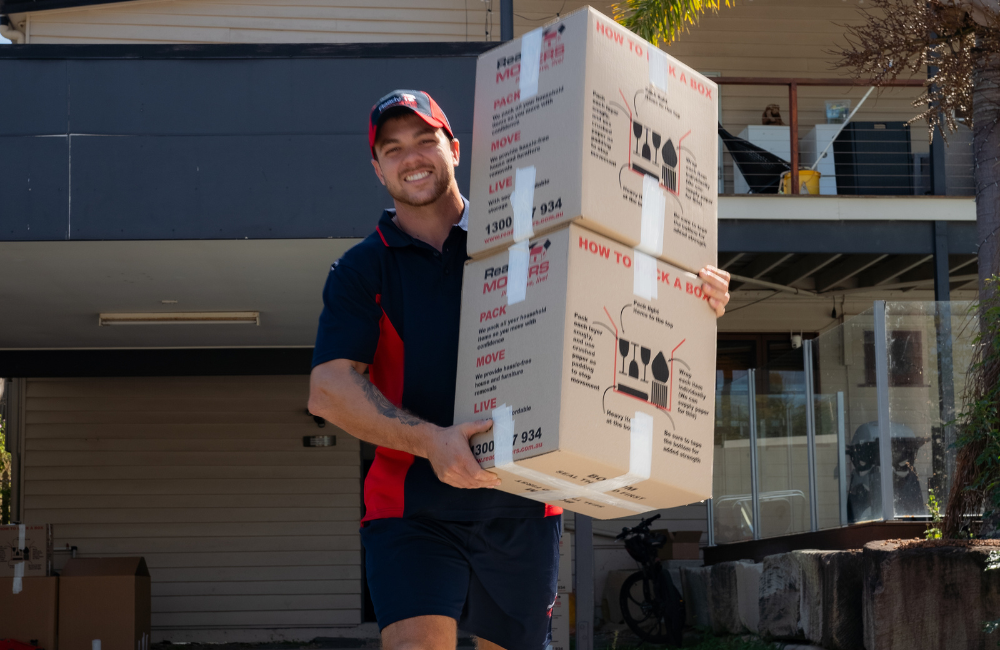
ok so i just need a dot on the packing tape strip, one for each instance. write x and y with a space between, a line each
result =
522 202
517 272
654 205
531 58
644 275
659 68
18 574
640 463
503 429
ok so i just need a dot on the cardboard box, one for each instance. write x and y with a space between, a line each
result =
104 598
35 550
605 388
601 133
565 579
682 545
31 615
561 622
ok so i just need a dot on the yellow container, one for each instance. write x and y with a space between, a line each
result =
808 182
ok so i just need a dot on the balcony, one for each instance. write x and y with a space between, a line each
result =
833 137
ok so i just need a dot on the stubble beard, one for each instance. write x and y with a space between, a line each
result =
398 193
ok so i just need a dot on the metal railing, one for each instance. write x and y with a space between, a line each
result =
875 153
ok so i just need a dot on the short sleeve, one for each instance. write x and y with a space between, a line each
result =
349 324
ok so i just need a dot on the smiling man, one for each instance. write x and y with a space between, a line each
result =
443 549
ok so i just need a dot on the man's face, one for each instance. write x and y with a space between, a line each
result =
415 161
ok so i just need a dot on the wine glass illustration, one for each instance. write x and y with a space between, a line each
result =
637 130
633 367
644 354
623 348
656 145
645 147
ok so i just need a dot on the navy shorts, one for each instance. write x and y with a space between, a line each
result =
496 577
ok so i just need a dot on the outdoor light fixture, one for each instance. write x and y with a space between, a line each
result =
183 318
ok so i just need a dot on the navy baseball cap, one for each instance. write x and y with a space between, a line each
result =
416 101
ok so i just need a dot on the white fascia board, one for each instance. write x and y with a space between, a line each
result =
848 208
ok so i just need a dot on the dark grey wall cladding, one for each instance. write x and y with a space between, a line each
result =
223 187
892 237
33 188
35 97
203 148
302 96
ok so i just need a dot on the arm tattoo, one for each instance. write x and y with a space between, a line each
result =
382 405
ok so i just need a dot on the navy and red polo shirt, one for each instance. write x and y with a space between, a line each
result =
393 302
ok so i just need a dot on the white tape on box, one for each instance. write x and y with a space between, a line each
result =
644 278
522 202
654 205
640 463
517 272
18 575
531 58
659 69
20 536
503 430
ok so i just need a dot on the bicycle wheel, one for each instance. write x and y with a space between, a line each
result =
655 613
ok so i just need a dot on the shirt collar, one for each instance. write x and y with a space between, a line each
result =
393 236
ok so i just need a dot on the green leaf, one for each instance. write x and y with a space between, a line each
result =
662 20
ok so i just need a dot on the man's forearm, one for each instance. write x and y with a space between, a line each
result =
344 397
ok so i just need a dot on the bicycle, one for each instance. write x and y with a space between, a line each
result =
651 605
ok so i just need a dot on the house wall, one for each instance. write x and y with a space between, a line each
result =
247 534
273 21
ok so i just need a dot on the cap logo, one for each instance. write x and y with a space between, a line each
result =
404 99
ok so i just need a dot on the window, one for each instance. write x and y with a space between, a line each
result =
906 360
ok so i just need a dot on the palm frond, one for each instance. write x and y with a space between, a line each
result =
663 20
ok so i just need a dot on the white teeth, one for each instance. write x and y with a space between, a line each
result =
417 176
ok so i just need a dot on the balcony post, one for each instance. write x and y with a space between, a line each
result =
793 133
506 20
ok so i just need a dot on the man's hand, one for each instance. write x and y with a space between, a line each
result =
716 287
452 460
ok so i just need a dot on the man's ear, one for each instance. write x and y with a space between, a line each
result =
378 170
455 152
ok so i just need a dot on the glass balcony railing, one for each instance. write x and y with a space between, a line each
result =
799 451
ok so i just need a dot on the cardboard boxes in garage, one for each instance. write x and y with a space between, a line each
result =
584 121
104 598
29 545
30 616
610 396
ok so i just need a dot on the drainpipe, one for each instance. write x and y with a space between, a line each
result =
8 32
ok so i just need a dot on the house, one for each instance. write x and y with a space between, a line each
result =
209 157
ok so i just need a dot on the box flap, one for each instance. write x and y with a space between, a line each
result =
686 537
105 566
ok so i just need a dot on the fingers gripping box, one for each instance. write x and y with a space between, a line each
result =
602 400
583 120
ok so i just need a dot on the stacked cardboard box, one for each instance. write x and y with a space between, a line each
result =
28 591
585 334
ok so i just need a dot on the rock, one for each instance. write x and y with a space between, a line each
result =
780 586
723 599
612 595
673 567
843 627
928 597
748 594
695 587
811 609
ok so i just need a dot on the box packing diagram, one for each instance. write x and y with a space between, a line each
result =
609 397
583 121
592 347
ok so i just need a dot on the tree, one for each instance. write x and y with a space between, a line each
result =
662 20
961 39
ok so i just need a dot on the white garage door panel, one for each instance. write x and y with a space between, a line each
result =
241 526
